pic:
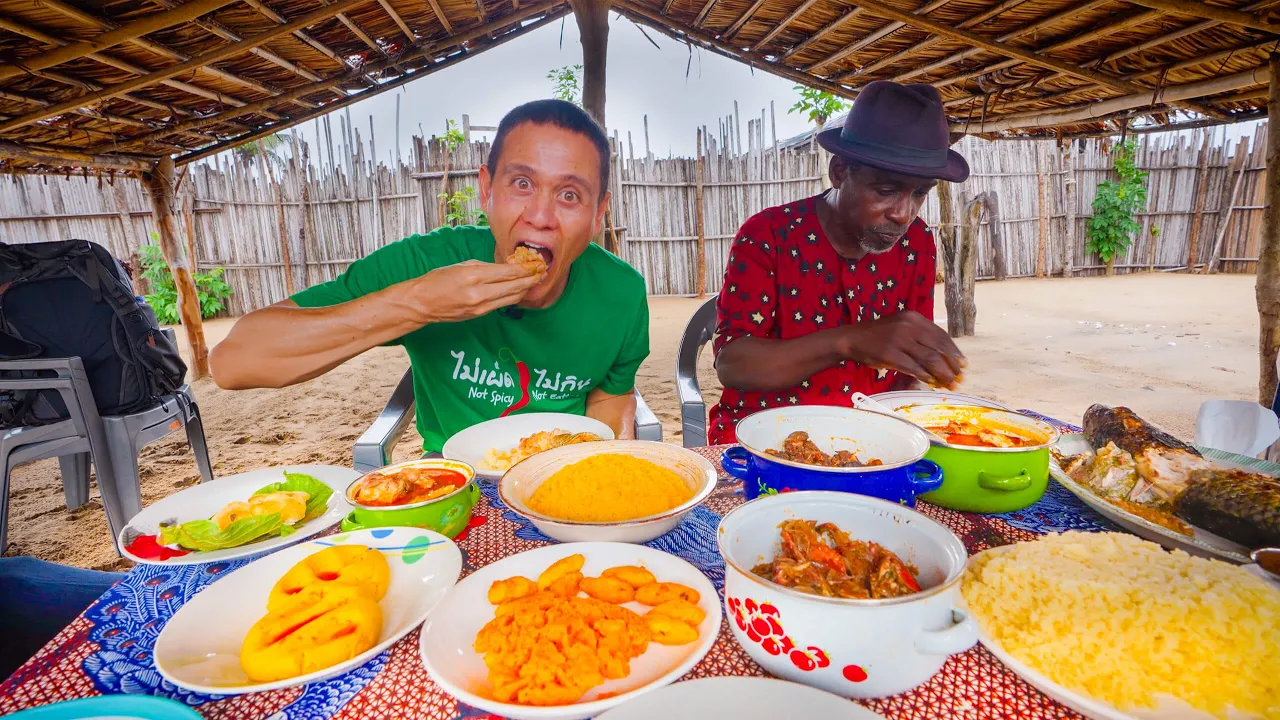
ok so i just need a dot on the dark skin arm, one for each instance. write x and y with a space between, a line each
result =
906 342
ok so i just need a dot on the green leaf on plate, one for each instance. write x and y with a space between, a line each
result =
317 492
204 535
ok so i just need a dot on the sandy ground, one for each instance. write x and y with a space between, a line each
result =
1160 344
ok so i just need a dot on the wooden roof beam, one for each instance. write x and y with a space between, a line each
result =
156 21
680 32
556 10
399 21
1092 111
63 158
1195 8
421 49
118 63
822 33
804 6
999 47
304 37
742 20
878 34
1045 22
444 19
212 56
706 10
358 32
897 57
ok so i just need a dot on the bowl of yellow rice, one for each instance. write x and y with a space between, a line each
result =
612 491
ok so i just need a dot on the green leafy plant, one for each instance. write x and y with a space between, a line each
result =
456 210
816 105
567 83
270 148
211 289
453 137
1114 222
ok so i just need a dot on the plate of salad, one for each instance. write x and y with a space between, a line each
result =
239 515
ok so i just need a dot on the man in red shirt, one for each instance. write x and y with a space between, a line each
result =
833 294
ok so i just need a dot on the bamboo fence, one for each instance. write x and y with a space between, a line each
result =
279 227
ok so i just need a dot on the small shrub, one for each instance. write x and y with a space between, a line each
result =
211 289
1114 222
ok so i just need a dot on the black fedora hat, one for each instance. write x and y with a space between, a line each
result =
900 128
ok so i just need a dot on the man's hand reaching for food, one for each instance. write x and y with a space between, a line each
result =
909 343
472 289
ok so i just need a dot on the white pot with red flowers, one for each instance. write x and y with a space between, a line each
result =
851 594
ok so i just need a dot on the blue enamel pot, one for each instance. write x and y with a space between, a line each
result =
902 475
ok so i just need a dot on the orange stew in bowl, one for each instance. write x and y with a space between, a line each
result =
824 560
407 486
958 433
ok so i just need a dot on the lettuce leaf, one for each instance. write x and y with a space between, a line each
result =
317 492
204 535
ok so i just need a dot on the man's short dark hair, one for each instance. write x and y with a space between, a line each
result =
561 114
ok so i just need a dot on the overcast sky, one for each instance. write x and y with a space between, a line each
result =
642 80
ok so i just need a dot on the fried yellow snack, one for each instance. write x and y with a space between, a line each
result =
608 589
528 258
633 575
563 566
342 623
341 564
670 631
680 610
566 585
513 588
655 594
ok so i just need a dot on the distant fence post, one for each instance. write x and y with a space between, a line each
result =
702 238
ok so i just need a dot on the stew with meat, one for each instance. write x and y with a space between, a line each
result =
407 486
797 447
958 433
823 560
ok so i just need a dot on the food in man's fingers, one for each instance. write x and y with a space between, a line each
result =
528 258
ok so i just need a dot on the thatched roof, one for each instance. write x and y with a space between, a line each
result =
117 83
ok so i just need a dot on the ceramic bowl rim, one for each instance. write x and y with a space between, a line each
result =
955 577
1041 424
921 434
708 486
458 465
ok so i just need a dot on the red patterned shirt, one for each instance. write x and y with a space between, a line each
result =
785 280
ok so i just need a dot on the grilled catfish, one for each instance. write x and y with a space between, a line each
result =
1164 462
1237 505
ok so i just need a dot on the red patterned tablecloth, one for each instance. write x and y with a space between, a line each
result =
107 649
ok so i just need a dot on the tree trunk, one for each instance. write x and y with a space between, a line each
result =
593 27
1268 286
1111 266
160 183
960 260
967 262
991 201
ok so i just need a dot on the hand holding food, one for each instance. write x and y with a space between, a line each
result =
322 612
468 290
907 342
548 646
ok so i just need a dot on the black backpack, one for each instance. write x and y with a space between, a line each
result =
73 299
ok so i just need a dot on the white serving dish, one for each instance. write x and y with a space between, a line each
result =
1203 543
868 435
504 434
450 632
521 481
740 698
898 399
203 501
854 648
199 648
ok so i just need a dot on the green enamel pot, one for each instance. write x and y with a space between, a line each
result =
988 480
447 515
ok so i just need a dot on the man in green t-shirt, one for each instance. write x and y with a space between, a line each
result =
485 337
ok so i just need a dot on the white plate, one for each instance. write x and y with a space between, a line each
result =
740 698
1202 543
203 501
504 434
199 648
450 632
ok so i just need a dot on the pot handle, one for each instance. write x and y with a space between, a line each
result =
961 636
926 476
473 494
737 462
1006 483
350 523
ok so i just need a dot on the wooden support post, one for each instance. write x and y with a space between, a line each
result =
160 184
702 238
990 203
966 263
1268 286
1228 204
189 223
1202 189
593 27
305 227
1044 214
1072 240
285 258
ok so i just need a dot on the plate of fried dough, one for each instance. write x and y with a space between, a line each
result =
623 619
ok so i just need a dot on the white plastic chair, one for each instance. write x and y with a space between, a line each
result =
1236 426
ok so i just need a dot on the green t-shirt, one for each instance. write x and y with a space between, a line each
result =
595 336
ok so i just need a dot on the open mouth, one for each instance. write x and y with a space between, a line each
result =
545 252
